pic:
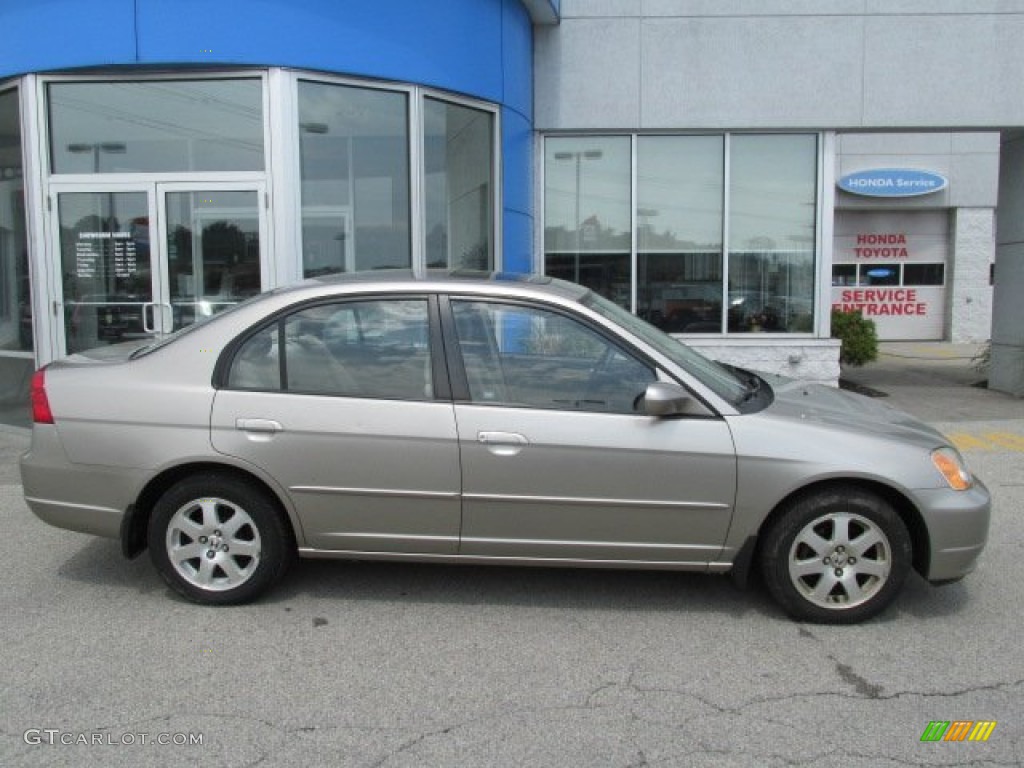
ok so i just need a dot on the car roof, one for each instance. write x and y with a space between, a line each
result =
440 280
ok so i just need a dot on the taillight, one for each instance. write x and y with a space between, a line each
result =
41 413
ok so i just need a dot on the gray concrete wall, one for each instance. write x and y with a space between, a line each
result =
1007 370
969 160
692 64
969 313
806 359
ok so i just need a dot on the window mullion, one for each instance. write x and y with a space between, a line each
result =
417 181
726 172
634 260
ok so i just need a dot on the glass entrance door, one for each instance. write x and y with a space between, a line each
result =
140 261
106 268
213 245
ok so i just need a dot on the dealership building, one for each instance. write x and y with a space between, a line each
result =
730 170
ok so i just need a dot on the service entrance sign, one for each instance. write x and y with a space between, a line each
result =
891 267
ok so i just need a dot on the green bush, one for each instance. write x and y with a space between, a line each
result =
858 336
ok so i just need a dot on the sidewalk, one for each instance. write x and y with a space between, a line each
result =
935 381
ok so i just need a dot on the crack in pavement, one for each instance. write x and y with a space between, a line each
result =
863 690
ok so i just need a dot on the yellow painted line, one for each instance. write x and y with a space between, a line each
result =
939 353
987 441
965 442
1006 440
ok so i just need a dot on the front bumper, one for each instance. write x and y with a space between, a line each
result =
958 523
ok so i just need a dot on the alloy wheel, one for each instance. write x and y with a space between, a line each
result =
840 560
213 544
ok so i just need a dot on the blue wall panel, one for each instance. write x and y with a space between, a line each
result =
518 242
59 34
517 59
517 166
517 138
454 44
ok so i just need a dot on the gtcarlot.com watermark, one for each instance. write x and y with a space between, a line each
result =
55 736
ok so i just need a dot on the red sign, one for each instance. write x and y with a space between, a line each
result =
881 301
881 246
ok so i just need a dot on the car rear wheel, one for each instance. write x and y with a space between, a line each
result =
836 557
218 541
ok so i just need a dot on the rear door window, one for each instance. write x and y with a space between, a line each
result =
367 348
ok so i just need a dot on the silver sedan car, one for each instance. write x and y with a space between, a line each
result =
487 419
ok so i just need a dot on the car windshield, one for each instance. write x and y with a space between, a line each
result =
715 376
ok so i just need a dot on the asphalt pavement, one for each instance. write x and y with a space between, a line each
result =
373 664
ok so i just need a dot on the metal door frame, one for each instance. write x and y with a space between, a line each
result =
156 192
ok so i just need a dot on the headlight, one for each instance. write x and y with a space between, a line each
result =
952 468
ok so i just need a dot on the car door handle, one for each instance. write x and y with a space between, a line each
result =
502 443
263 426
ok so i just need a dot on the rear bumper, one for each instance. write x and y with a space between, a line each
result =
78 497
958 523
84 518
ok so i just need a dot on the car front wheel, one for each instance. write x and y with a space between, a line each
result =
217 541
837 557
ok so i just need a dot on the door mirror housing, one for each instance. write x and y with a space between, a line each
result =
663 398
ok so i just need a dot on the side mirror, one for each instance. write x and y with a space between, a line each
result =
663 398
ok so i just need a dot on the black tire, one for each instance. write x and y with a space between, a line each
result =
838 556
219 541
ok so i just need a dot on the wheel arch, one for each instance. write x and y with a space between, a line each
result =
135 525
904 506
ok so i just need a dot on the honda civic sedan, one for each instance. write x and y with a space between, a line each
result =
487 419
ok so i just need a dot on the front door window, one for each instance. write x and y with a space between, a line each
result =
535 358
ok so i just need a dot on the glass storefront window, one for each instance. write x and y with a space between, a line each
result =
886 274
16 337
354 160
156 126
458 151
587 214
15 301
679 232
924 274
844 274
772 213
879 275
689 278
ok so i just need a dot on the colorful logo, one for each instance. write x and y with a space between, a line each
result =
958 730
